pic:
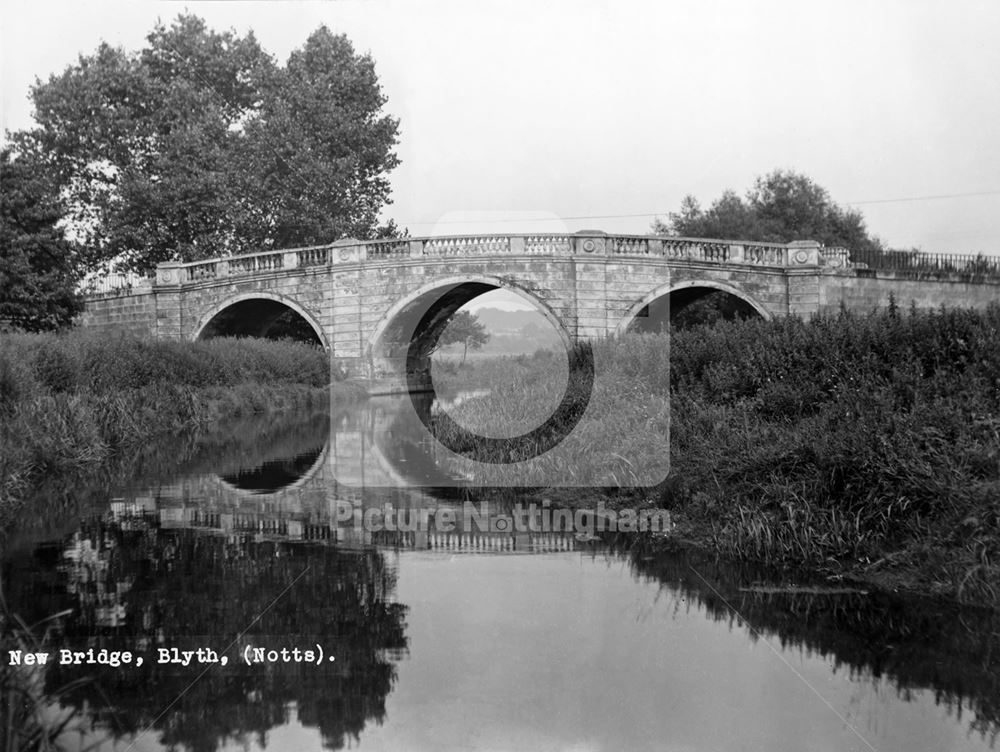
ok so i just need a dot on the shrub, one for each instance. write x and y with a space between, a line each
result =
69 399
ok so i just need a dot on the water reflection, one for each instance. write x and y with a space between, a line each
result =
228 543
275 475
133 585
917 644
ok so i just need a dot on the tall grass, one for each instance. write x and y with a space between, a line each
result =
31 716
71 400
864 444
861 444
598 419
83 361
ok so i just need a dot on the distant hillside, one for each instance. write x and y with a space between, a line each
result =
511 333
498 321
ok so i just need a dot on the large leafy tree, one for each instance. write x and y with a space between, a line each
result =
200 145
320 147
38 266
780 207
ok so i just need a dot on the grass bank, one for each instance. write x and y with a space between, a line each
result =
864 446
71 400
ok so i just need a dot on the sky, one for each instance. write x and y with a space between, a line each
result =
523 116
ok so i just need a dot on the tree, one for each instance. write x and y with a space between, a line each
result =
466 328
781 207
38 274
321 145
200 145
711 308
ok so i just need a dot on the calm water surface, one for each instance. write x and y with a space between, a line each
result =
459 641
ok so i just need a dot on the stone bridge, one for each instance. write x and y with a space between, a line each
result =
368 301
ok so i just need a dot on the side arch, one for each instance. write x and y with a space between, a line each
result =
206 319
670 288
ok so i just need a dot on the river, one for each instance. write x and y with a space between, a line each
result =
338 636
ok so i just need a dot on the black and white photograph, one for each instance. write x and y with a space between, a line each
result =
500 376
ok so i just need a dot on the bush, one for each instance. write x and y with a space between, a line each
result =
70 399
845 438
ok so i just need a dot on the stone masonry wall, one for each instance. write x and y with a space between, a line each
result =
305 288
135 314
864 293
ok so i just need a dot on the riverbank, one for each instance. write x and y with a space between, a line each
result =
71 401
861 447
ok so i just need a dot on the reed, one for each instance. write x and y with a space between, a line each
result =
863 445
32 716
71 400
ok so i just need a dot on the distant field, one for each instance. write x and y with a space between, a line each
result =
511 333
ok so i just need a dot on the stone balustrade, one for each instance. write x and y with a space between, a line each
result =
348 252
738 253
115 284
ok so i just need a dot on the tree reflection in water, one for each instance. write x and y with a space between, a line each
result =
143 588
916 643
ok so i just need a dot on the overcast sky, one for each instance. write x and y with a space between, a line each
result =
523 112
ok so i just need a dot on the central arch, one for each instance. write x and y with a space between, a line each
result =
405 339
423 313
685 292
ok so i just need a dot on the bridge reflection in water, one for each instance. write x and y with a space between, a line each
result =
319 486
190 562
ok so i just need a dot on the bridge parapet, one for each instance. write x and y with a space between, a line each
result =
586 245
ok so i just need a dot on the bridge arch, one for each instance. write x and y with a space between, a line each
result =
430 306
663 293
251 314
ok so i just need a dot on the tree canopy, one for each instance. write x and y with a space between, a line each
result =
38 276
780 207
201 145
